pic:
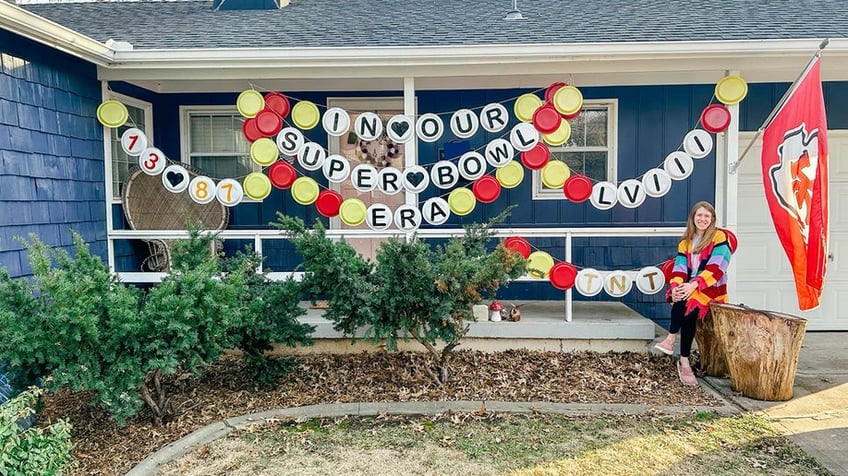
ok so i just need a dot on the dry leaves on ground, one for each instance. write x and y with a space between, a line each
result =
224 390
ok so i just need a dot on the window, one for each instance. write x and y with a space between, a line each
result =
140 117
591 149
213 142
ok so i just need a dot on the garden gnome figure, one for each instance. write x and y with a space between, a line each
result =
495 311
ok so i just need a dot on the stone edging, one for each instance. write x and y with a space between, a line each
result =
214 431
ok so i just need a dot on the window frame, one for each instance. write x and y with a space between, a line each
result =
542 193
147 108
186 112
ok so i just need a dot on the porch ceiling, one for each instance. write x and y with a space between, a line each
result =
470 67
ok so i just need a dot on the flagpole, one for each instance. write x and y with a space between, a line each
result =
779 105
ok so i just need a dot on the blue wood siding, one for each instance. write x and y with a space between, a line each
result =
51 151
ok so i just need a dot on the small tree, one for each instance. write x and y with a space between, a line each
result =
32 451
411 290
74 323
186 320
269 312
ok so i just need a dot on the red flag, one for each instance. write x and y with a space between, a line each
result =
796 184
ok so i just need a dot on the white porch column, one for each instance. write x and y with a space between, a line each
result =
411 150
727 184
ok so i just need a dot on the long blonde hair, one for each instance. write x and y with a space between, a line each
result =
709 233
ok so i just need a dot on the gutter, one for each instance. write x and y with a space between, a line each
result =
41 30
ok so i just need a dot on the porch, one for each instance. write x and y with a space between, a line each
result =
595 326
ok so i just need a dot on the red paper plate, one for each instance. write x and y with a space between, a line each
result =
667 267
571 116
546 119
486 189
537 157
519 245
328 203
715 118
268 122
282 174
277 103
562 275
549 92
250 131
577 188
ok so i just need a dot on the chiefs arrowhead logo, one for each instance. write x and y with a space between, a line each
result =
792 177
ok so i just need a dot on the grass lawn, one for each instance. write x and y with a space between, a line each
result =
504 444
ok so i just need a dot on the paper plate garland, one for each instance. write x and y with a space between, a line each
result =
268 122
567 100
250 131
304 190
282 174
715 118
519 245
250 102
305 115
578 188
277 103
539 264
525 106
461 201
562 275
510 175
486 189
731 89
328 203
555 173
537 157
352 211
256 186
112 113
264 151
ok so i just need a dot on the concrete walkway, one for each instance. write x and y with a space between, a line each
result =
816 418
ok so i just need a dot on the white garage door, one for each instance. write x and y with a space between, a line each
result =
763 275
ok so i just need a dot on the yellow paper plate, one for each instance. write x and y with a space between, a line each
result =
567 100
461 201
559 136
731 89
256 185
352 211
250 102
510 175
264 151
539 264
525 106
112 113
305 115
555 173
304 190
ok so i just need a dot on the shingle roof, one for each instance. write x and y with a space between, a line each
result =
346 23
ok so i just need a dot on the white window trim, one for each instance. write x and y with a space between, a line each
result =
185 137
541 193
147 108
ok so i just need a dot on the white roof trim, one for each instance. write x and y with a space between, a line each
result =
36 28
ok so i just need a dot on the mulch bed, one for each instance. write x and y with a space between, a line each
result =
225 390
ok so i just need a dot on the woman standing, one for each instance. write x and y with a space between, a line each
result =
698 277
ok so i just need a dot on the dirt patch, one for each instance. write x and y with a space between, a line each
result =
224 390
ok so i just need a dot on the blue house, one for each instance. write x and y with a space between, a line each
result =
191 73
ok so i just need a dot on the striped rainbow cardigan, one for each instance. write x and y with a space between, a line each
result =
711 277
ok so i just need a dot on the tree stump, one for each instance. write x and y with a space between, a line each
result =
761 348
712 359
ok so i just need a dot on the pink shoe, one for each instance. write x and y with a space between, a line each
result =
665 347
686 375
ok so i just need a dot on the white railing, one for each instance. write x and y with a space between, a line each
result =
259 236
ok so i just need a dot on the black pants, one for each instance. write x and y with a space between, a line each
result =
685 324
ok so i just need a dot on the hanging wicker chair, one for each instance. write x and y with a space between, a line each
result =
149 206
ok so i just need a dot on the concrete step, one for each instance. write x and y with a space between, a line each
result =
595 326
